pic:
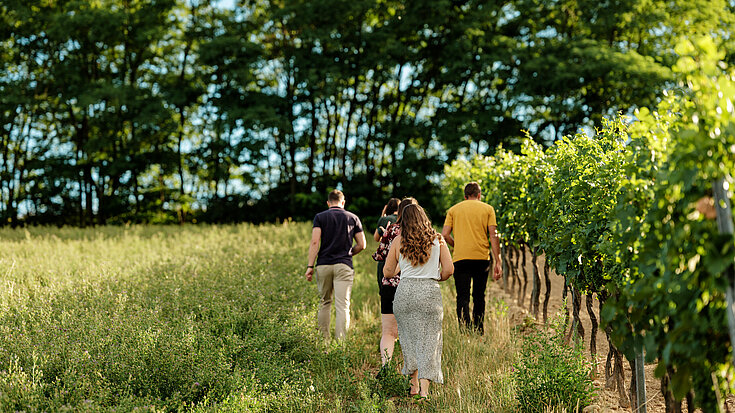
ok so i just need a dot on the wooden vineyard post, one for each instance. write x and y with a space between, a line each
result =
725 226
506 265
640 381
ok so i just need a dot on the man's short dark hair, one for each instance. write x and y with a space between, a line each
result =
335 196
472 190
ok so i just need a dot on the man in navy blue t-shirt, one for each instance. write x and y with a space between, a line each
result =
334 229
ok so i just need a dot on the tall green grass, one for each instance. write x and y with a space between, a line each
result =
207 319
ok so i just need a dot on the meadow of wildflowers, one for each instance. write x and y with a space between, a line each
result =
154 318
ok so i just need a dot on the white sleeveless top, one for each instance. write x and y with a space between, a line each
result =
430 269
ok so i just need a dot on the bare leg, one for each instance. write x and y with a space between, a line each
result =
424 387
415 389
388 339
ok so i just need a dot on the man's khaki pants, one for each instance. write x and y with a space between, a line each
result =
334 281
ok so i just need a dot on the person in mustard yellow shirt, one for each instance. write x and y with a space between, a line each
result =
472 222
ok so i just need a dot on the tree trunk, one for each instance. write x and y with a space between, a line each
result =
22 154
182 117
512 266
535 291
327 128
393 128
179 142
609 367
370 169
101 199
620 380
136 192
614 373
291 141
82 200
348 123
15 187
593 321
382 164
517 273
690 401
366 155
11 211
670 403
547 293
506 266
4 207
17 172
81 129
357 70
632 389
89 188
576 320
566 304
525 275
312 146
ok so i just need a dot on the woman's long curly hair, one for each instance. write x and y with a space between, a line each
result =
417 235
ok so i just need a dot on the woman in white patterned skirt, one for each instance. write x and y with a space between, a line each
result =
423 258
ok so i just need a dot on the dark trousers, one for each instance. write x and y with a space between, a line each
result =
471 273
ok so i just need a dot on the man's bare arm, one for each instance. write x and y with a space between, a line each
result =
376 234
316 235
495 243
447 234
361 243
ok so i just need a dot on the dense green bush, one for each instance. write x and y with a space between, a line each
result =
552 373
390 381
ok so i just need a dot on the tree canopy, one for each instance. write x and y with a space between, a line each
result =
174 110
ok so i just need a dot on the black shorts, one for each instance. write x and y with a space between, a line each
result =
387 293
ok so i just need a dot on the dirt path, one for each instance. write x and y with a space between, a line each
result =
607 400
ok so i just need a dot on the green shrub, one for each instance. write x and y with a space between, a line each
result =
370 402
552 373
390 381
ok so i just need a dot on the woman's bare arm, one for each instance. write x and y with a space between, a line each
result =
376 235
391 261
445 258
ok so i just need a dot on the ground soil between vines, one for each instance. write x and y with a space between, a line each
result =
607 400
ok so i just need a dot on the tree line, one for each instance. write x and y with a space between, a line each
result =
116 111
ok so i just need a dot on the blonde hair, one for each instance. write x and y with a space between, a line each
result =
417 235
335 196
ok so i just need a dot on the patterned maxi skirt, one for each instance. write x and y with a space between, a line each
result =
419 313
